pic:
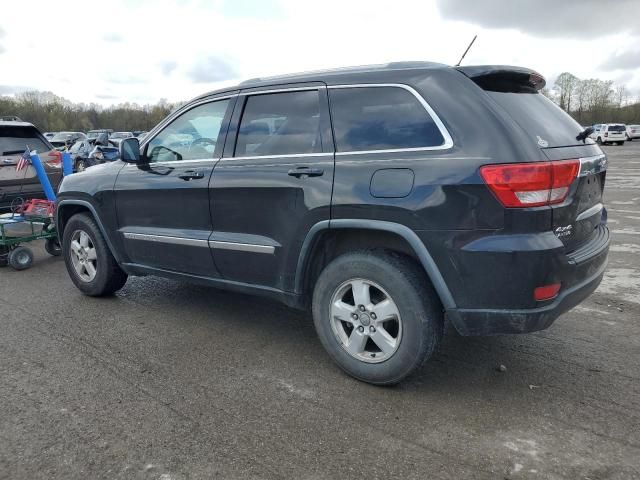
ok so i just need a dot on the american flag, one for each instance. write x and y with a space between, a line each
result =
24 161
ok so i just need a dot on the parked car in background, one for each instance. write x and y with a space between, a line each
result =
633 132
117 137
15 184
367 195
85 154
64 140
93 134
49 135
138 133
611 133
596 128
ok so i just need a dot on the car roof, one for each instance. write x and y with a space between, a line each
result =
11 123
334 75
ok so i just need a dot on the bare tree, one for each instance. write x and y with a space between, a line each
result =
566 84
621 95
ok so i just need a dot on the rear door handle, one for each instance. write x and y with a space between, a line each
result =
191 175
306 172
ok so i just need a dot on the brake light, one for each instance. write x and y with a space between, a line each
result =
530 184
546 292
606 134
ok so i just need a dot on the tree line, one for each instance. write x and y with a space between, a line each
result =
589 101
592 100
51 113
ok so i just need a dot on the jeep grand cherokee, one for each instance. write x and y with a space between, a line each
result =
383 198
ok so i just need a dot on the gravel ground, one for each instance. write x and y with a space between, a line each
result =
170 381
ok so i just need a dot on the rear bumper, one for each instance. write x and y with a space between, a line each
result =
579 273
495 322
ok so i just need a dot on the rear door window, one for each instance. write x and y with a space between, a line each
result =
286 123
381 118
617 128
547 123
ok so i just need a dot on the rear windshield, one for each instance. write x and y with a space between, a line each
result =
16 139
547 123
616 128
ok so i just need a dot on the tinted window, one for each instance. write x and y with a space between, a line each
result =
617 128
15 140
539 117
280 124
191 136
381 118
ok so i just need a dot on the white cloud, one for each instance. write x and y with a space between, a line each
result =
177 50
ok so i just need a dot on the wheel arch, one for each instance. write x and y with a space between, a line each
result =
413 246
69 207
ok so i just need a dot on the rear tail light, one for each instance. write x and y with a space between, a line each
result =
530 184
606 134
546 292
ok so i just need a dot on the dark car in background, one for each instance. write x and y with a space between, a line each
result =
93 134
64 140
85 154
24 184
116 137
383 199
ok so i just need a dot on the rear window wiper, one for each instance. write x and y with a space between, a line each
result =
584 134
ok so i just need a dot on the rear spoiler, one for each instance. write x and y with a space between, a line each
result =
504 78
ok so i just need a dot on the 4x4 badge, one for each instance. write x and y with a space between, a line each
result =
563 231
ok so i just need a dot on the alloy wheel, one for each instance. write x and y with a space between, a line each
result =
365 320
83 255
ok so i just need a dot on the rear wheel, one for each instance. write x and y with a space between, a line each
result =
376 315
619 143
20 258
81 165
52 246
88 259
599 141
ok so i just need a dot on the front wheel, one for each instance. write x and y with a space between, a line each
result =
376 315
88 259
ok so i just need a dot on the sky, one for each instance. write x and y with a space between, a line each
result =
142 51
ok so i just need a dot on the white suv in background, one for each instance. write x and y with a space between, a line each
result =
611 133
633 132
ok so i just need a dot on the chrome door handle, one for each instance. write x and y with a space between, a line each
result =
191 175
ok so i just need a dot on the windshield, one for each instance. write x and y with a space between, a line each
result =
16 139
63 136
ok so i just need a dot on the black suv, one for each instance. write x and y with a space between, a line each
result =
383 198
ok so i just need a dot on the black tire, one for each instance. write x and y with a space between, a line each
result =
4 256
417 303
52 246
619 143
81 165
20 258
599 141
109 277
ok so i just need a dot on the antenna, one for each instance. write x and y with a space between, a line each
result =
465 52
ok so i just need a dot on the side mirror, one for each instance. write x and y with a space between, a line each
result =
130 150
